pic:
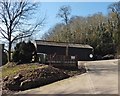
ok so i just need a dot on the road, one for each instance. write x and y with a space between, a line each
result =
101 78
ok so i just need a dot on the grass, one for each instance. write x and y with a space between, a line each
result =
12 68
39 74
32 75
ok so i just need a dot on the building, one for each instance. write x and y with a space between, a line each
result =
82 52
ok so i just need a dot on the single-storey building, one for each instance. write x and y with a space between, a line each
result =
82 52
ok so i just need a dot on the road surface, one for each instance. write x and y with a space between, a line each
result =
101 78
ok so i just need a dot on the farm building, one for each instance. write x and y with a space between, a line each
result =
82 52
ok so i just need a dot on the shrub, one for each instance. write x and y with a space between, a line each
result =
23 52
104 49
4 58
15 56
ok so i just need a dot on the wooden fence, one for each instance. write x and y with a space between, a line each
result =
62 61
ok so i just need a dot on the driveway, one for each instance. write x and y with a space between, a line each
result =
101 78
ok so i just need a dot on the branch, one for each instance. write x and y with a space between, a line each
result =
20 36
3 35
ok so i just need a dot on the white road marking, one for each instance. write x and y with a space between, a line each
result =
90 83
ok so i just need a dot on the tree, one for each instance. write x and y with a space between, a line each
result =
64 13
24 52
106 45
17 20
115 8
57 33
97 30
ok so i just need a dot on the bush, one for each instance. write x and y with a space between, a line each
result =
4 58
15 56
104 49
105 45
24 52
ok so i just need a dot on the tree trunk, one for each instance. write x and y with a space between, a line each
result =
118 45
9 51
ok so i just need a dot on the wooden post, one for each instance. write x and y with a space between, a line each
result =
50 60
67 50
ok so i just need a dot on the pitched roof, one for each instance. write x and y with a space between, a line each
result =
61 44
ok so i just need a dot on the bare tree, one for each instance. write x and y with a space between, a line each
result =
64 13
115 8
17 21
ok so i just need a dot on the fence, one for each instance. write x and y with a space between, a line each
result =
62 61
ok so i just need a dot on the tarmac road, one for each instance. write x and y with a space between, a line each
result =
101 78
